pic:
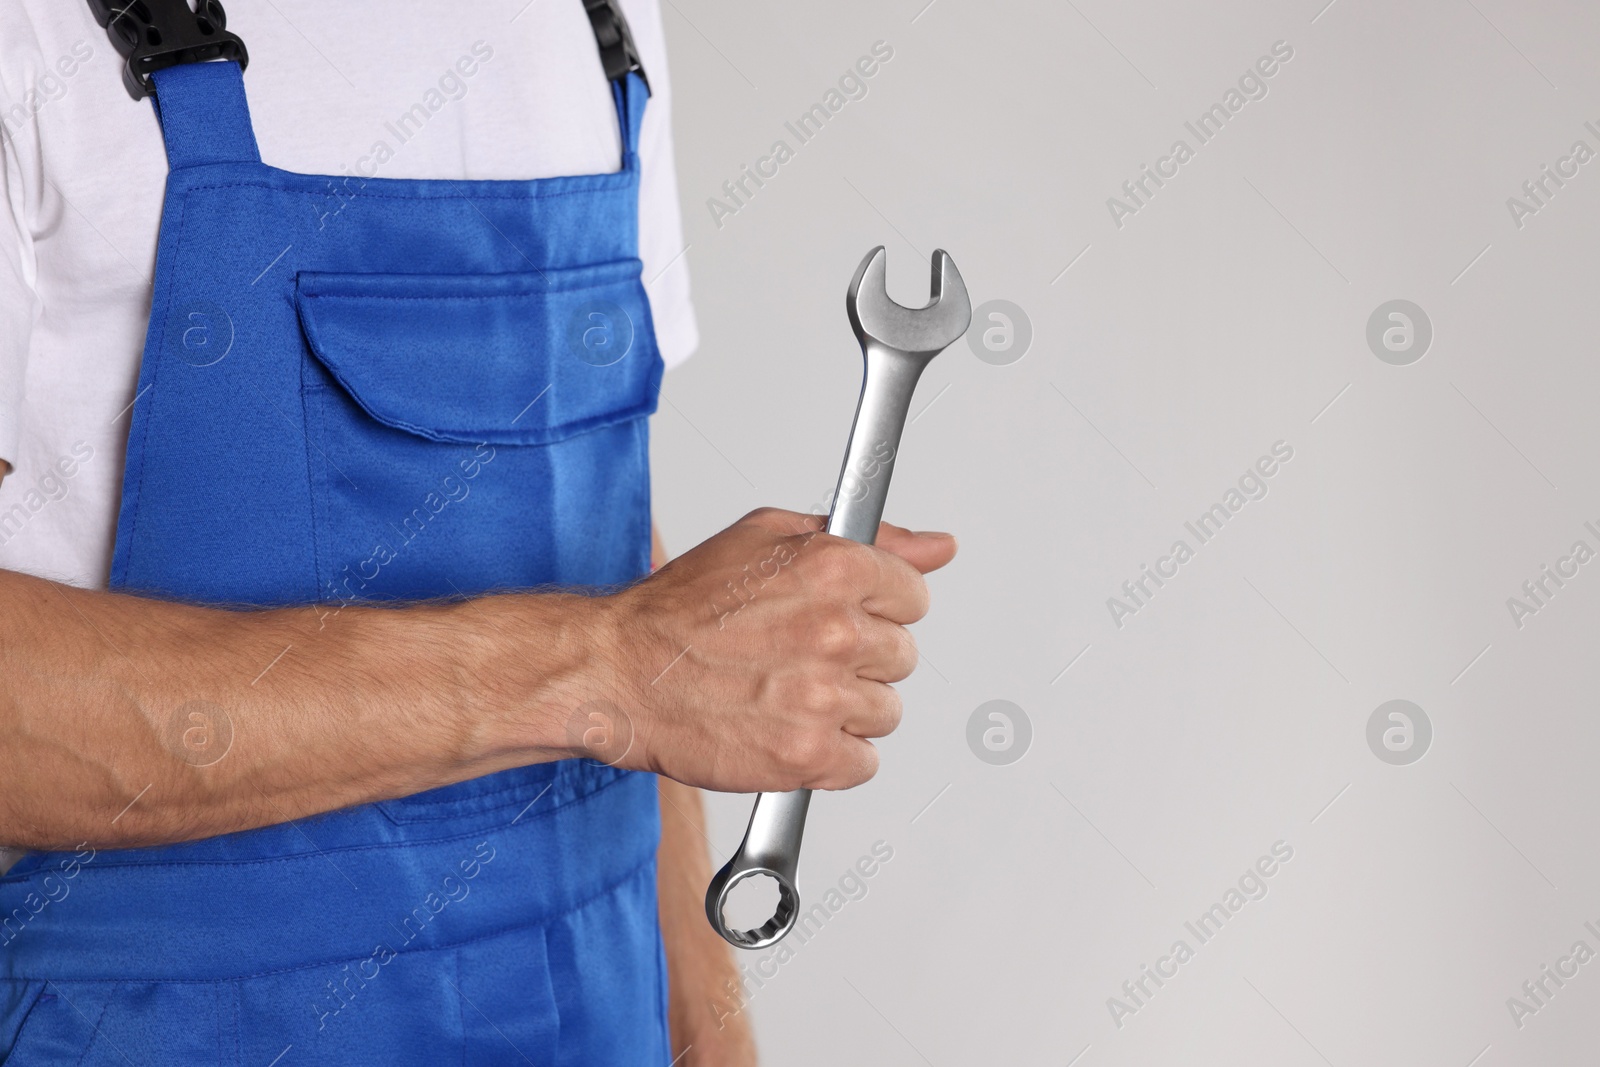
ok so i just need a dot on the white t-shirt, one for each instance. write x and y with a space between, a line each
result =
84 167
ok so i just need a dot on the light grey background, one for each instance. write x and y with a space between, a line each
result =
1231 712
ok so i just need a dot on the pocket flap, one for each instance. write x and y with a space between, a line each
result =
525 358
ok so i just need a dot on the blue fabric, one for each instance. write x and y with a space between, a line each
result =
365 390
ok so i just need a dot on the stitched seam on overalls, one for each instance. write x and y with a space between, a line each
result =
144 438
533 436
663 983
461 1009
319 578
95 1036
642 547
499 931
621 178
473 296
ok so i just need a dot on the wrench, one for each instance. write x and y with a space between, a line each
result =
897 343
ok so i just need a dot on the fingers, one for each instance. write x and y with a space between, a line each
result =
894 589
887 575
856 762
897 590
887 651
876 710
926 550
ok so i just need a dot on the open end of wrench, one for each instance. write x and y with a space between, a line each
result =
768 933
924 331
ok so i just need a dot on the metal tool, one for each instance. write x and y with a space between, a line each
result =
897 343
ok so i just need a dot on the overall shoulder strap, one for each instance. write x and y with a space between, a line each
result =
620 58
631 93
204 115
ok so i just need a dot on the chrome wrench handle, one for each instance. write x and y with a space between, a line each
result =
896 344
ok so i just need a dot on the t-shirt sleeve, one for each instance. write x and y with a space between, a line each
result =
18 301
661 244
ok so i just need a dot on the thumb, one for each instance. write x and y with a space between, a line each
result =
926 550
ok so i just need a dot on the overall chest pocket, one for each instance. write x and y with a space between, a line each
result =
468 433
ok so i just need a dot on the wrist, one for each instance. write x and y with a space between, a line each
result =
537 658
606 709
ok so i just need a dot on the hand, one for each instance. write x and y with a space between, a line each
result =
761 659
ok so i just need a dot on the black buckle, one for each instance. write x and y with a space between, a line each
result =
618 54
155 34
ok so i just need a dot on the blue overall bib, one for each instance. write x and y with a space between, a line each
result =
355 392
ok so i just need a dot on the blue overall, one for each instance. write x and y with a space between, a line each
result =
359 391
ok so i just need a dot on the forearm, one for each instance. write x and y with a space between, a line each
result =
333 709
97 693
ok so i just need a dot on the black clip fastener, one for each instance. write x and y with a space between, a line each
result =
618 54
155 34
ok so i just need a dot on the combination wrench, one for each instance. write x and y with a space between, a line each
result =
896 343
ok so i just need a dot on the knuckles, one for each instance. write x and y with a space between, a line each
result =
837 562
816 698
762 516
777 520
835 636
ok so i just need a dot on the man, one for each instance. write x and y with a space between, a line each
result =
325 526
